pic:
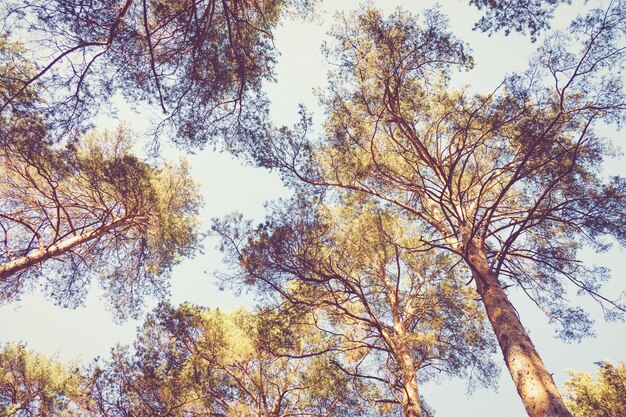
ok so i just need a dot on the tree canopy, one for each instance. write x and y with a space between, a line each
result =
603 395
518 16
93 209
186 361
507 181
34 385
418 209
404 316
201 62
191 361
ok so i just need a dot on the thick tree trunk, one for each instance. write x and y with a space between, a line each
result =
534 384
411 405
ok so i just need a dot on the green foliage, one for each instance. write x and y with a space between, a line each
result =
194 361
601 396
520 16
515 172
14 70
33 385
89 208
370 276
507 184
201 62
391 312
19 120
93 209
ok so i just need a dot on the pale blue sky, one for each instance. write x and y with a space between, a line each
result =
229 186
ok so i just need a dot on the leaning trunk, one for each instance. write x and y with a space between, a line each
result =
411 405
38 257
534 384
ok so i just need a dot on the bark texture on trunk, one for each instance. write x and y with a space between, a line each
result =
411 405
534 384
39 256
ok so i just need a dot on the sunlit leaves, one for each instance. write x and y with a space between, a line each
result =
194 361
33 385
600 395
373 287
516 170
93 209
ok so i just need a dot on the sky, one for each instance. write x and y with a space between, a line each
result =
228 185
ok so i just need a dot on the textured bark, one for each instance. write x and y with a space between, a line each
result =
534 384
411 406
39 256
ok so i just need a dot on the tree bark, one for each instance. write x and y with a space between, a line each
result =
37 257
534 384
411 405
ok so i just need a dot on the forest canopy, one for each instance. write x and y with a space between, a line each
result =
423 215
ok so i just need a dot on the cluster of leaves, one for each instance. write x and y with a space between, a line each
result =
33 385
93 209
520 16
199 61
187 361
603 397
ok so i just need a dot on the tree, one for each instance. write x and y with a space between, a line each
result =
19 120
399 315
92 209
192 361
603 397
32 385
520 16
508 182
187 361
201 62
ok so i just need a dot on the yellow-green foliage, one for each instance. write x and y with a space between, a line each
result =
35 385
131 221
363 270
15 71
196 361
602 395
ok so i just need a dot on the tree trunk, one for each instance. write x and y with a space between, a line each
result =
411 405
37 257
534 384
